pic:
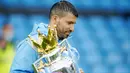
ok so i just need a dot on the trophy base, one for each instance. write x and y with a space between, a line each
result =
65 65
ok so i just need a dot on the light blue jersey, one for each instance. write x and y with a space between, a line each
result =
26 55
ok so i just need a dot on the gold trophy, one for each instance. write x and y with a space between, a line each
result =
51 58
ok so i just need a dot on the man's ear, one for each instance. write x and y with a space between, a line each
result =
55 19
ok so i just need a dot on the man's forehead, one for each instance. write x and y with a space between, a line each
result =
69 14
70 17
71 21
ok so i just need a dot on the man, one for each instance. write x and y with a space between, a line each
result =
62 14
6 48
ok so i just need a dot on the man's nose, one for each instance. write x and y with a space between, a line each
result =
71 28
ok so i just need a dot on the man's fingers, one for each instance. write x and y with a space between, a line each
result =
81 71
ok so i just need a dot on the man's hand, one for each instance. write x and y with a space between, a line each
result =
81 70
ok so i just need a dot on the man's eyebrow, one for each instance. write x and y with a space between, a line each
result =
72 22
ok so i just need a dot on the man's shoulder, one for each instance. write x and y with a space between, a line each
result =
25 51
24 58
24 47
22 44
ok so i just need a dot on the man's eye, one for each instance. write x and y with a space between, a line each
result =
69 23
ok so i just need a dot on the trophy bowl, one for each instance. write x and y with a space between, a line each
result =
54 57
58 61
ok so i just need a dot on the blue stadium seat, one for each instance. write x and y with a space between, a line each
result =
99 25
109 45
118 24
107 4
89 48
94 58
100 68
78 4
128 59
123 5
81 26
35 19
128 24
19 22
114 59
38 4
86 42
11 3
121 31
47 3
125 45
89 4
121 69
2 19
30 3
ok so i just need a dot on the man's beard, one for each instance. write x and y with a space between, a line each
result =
62 36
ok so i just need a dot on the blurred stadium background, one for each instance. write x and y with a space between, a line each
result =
101 34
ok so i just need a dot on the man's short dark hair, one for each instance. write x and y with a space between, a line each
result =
62 7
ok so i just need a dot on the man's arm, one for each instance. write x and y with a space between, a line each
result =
23 59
